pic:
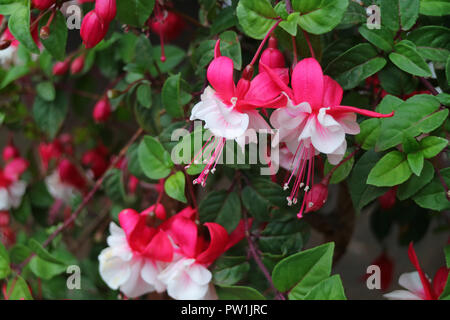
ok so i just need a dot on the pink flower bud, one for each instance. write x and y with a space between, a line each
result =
10 152
102 110
4 219
272 57
387 200
61 67
77 65
133 183
43 4
93 29
316 197
106 9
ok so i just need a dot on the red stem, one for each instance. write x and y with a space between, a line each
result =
263 42
309 44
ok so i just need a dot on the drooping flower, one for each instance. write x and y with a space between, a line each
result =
188 277
10 152
312 122
229 110
418 286
43 4
387 200
136 255
97 160
77 65
12 188
102 110
61 67
65 182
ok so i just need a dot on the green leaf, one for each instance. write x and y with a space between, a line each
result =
433 195
447 70
342 172
328 289
447 255
381 38
19 25
174 186
134 12
230 270
226 19
435 7
355 65
43 253
431 146
397 82
221 207
49 116
300 272
406 57
396 14
368 136
56 42
361 192
44 269
46 91
144 95
391 170
256 17
17 289
154 159
353 16
415 161
13 74
114 186
231 47
416 183
283 237
415 116
238 293
173 98
5 269
317 16
432 42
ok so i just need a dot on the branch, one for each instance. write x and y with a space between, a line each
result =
86 199
429 86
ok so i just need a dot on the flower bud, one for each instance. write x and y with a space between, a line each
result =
106 9
316 197
77 65
61 67
7 236
133 183
387 200
43 4
44 33
102 110
272 57
10 152
247 74
167 24
4 219
93 29
68 173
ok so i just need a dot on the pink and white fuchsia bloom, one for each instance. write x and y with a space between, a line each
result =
229 110
312 121
12 188
173 256
417 284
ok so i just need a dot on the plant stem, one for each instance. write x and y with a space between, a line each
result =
429 86
351 155
263 42
289 6
86 199
309 44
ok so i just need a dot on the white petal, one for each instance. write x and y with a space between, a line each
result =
336 157
4 199
150 273
199 274
349 124
223 121
113 270
411 281
401 295
326 134
135 286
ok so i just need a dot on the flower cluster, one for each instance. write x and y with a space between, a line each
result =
150 252
308 116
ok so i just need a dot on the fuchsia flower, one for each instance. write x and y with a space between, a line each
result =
106 9
313 121
171 256
97 160
77 65
417 284
102 110
43 4
12 188
229 110
61 67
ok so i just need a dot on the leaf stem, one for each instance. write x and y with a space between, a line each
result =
263 42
